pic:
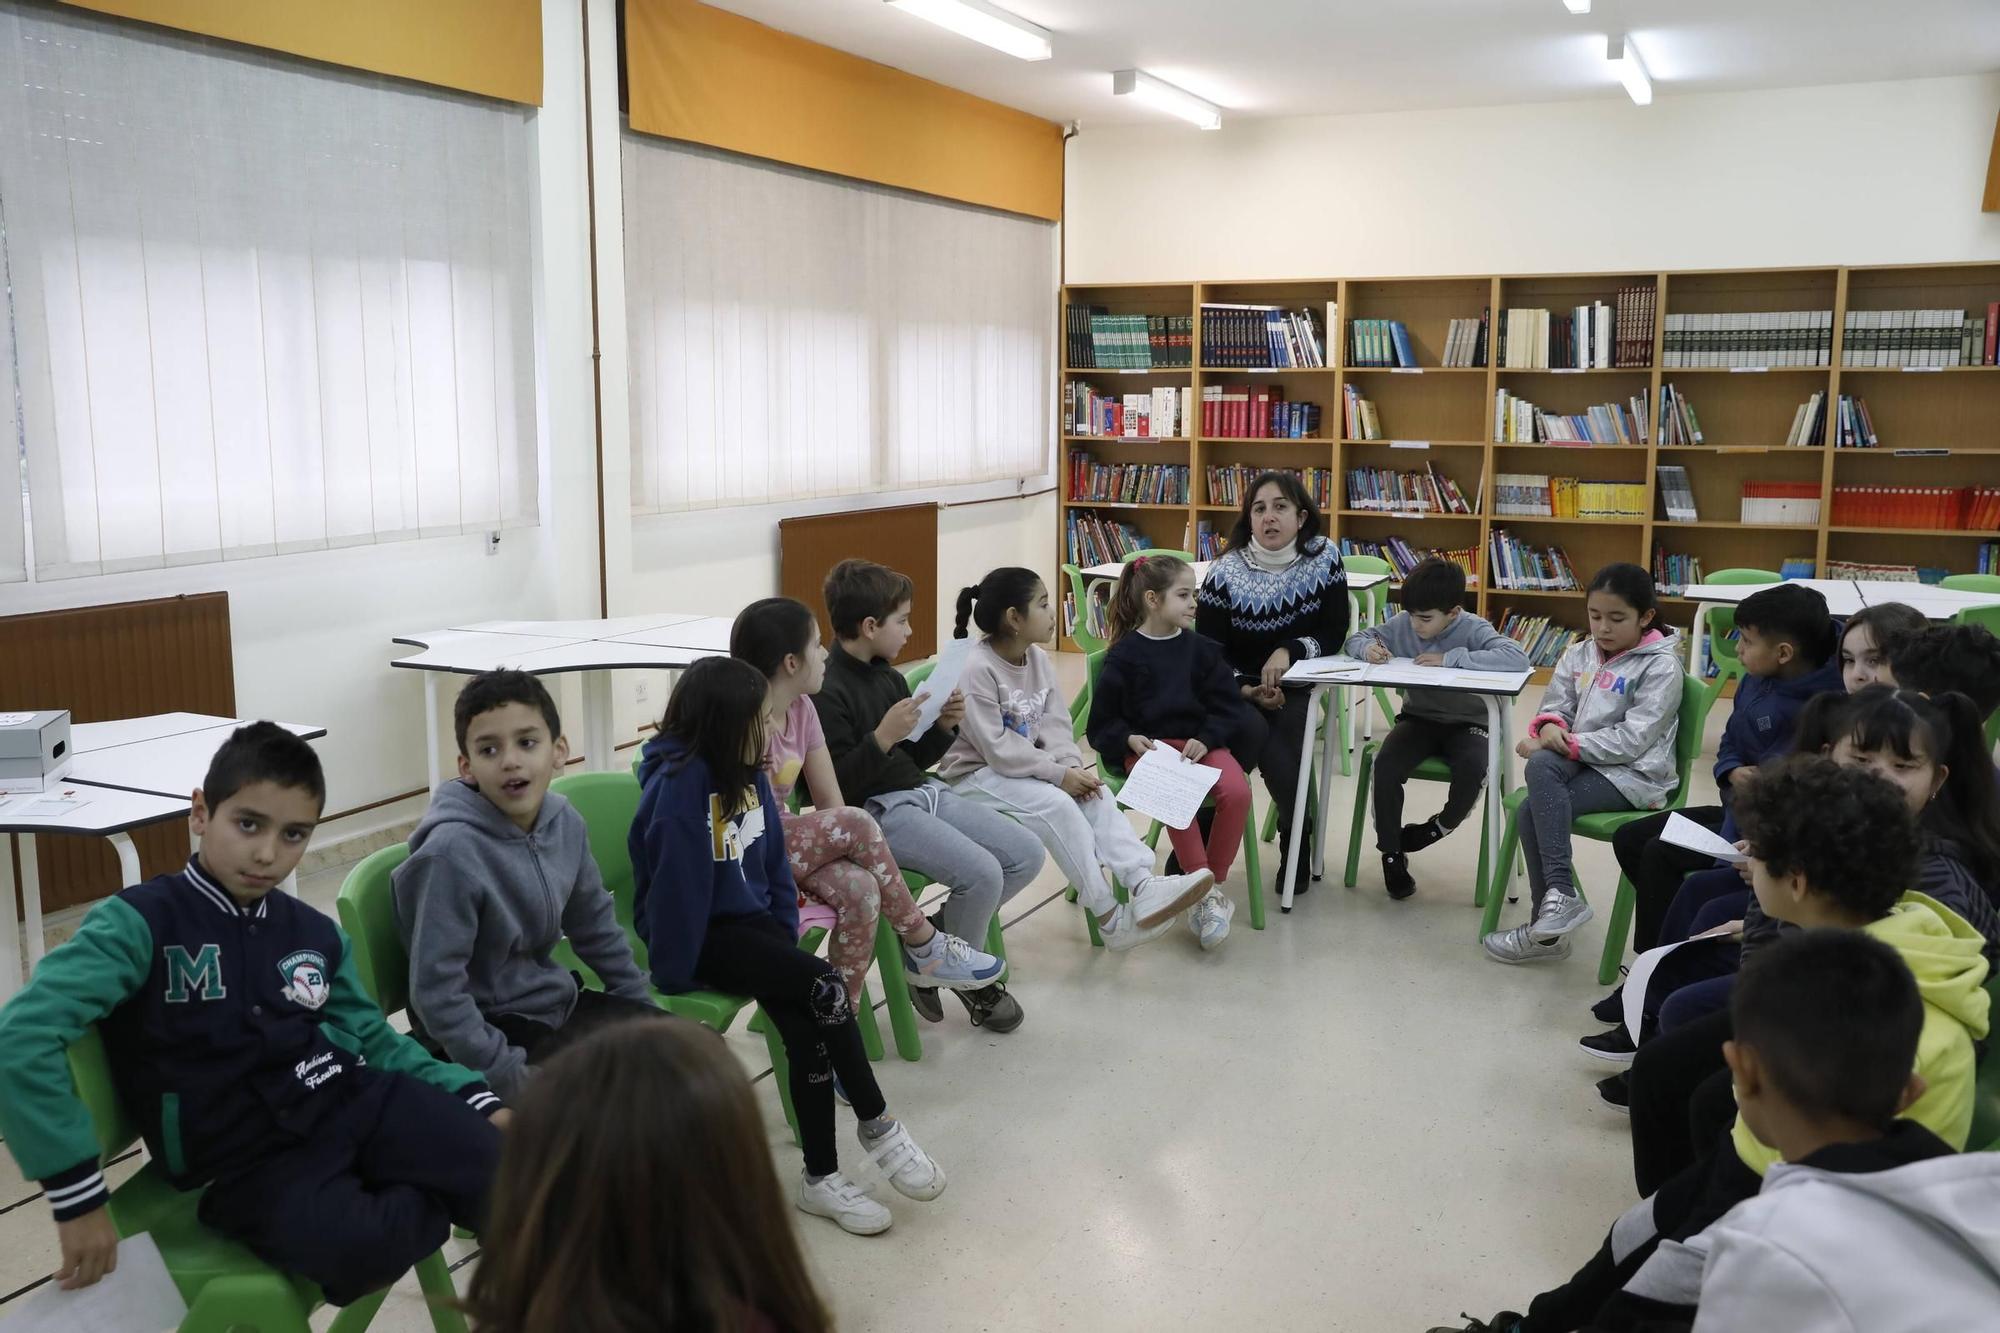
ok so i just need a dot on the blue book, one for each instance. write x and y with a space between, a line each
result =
1405 356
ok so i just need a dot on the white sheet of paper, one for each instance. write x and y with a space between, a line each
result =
44 807
1684 832
136 1297
941 682
1404 671
1637 979
1167 787
1336 667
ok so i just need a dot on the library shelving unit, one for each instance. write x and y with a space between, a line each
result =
1936 428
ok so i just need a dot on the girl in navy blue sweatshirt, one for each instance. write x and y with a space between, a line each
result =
715 901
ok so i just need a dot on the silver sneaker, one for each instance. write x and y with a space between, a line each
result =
1519 945
1559 914
1209 919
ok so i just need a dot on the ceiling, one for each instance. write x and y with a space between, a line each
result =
1261 58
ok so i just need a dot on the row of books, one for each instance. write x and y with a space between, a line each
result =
1674 574
1781 502
1853 427
1379 342
1256 411
1362 423
1096 619
1227 485
1519 564
1597 336
1159 414
1465 341
1534 495
1989 558
1951 508
1098 340
1403 557
1235 337
1384 490
1877 573
1676 494
1092 539
1208 544
1919 337
1678 423
1544 641
1518 421
1749 338
1127 483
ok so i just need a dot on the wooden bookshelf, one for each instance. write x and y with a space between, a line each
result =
1444 416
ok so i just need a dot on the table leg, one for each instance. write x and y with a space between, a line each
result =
1285 893
597 725
31 905
1325 811
1697 635
434 773
10 934
1498 724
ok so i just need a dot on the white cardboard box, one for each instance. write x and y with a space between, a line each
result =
34 750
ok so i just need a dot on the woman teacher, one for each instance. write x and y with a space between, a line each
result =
1277 596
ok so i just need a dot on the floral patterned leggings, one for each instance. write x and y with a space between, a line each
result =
839 858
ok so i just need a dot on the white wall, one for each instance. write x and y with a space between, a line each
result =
1858 174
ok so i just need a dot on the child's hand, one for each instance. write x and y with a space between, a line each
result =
897 724
1742 776
1376 652
1138 743
953 711
1743 867
501 1118
89 1249
1722 931
1555 738
1193 751
1270 698
1430 659
1275 667
1080 783
1527 746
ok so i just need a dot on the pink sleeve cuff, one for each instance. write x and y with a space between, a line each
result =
1535 727
1574 752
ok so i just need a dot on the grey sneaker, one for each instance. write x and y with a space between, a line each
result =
952 964
926 1001
1559 914
991 1007
1519 945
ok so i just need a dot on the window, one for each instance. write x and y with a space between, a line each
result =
794 335
255 306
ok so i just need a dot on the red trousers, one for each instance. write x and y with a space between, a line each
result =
1231 798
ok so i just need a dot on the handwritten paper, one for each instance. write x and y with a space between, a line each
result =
1684 832
1168 787
136 1297
942 681
1338 667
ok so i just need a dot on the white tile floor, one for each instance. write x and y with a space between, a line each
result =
1348 1121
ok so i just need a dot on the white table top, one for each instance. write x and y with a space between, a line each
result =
1355 581
88 736
576 629
663 639
85 809
1846 596
1404 674
171 765
709 634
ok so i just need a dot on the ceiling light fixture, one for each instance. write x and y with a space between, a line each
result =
985 23
1624 58
1577 6
1163 96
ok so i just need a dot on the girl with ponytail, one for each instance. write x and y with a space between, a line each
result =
1016 753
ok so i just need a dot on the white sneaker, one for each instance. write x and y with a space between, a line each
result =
909 1168
1164 897
1209 919
845 1202
1125 932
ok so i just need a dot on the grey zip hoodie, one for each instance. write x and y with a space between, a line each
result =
1621 714
481 904
1468 642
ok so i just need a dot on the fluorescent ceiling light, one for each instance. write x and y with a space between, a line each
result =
1163 96
1577 6
1624 58
983 23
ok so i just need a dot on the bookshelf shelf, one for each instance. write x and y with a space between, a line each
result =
1449 410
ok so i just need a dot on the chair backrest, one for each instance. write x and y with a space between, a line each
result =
1971 582
1080 591
1986 617
90 1070
1092 664
919 672
1745 575
1693 720
1722 619
1986 1090
367 908
1130 556
609 802
1376 599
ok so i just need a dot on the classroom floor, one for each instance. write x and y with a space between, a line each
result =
1351 1120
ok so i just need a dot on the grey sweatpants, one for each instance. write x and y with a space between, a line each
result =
980 855
1559 789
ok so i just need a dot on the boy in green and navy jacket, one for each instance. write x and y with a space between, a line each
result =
240 1039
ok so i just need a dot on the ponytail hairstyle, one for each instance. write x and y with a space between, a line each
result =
1632 585
987 602
1947 727
769 630
716 714
1142 574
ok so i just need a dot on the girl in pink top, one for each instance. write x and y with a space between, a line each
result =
836 850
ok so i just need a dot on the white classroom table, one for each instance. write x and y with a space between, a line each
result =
1844 597
123 775
596 648
1496 689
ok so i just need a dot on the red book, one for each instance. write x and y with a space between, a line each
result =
1992 328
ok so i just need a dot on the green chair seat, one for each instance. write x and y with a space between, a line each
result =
1971 582
1433 769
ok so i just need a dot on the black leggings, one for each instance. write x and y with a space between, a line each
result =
1268 741
803 996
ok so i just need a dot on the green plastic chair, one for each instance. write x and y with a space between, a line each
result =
1079 623
1985 1133
1695 701
1722 622
1433 769
1130 556
1971 582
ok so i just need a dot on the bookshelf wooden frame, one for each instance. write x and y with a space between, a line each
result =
1959 412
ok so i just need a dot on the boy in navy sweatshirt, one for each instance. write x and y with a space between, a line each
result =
1433 629
241 1040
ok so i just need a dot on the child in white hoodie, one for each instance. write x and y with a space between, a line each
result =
1016 752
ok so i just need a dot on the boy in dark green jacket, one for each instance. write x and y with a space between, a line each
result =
240 1039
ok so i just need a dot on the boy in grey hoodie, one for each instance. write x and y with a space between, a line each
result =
500 872
1435 629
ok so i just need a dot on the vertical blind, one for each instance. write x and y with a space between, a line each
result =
255 306
796 335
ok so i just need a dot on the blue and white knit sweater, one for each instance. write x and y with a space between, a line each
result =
1252 612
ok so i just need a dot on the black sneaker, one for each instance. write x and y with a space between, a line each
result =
1610 1009
1616 1092
925 1000
1396 874
1504 1322
991 1007
1614 1045
1416 837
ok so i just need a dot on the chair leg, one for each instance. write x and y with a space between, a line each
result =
1489 920
896 993
440 1294
1479 884
781 1068
266 1302
1615 932
871 1028
996 942
1360 814
1346 711
1254 891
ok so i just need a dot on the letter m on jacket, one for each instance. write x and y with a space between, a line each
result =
202 972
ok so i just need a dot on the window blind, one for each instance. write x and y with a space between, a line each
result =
795 335
257 306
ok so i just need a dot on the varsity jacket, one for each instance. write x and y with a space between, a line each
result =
231 1035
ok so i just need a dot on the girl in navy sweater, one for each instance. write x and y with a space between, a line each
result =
717 906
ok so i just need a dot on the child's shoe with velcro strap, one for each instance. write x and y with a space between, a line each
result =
845 1203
